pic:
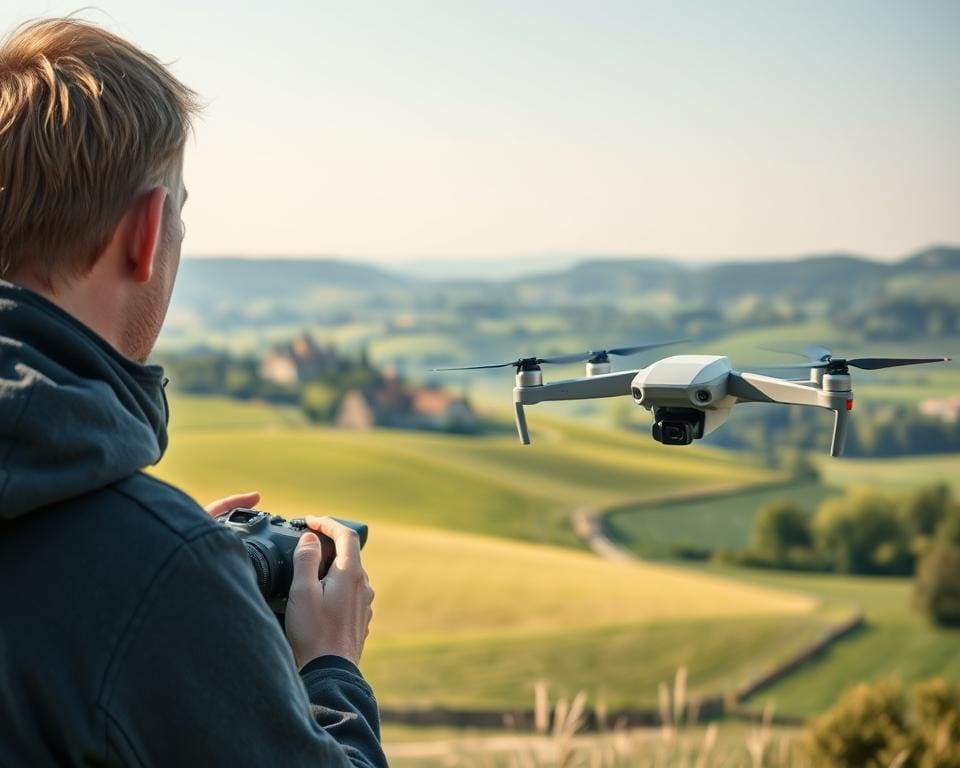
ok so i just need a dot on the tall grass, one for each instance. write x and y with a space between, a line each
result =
680 741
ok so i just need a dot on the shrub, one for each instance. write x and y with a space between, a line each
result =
873 725
866 728
937 712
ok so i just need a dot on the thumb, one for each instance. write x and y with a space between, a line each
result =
306 559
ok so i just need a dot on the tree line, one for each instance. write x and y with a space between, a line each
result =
865 532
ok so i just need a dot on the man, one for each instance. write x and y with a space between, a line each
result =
131 628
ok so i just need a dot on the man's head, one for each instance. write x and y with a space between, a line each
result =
92 132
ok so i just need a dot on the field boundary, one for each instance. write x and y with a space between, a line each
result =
707 707
852 624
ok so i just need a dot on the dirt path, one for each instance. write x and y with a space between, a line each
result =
589 527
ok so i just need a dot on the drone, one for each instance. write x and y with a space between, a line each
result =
690 396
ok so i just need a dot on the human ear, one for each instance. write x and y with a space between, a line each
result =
148 215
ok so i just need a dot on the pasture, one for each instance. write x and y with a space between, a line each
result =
473 587
475 602
659 528
902 473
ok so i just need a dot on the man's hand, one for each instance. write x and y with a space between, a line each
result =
331 616
245 500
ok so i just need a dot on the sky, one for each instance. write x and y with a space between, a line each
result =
509 129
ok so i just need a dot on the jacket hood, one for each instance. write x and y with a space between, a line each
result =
75 414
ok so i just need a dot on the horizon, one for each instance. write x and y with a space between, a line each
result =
530 265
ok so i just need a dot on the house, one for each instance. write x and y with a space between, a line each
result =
437 409
301 360
390 403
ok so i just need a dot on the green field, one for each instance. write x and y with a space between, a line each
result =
718 521
463 587
472 585
896 474
191 414
620 664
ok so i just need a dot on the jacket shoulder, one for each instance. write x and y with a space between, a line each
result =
165 504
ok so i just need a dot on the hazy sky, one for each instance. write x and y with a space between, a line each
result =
501 127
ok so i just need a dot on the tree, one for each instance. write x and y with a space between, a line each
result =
780 528
937 583
862 532
924 510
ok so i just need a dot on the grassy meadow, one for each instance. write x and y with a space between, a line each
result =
481 582
478 578
658 528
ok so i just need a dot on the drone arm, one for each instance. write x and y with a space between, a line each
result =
605 385
754 388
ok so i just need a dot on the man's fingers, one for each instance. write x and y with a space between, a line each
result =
346 542
306 560
220 506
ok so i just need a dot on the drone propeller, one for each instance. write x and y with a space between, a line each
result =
603 355
520 363
592 356
821 357
813 352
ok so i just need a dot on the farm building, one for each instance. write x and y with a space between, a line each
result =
301 360
392 404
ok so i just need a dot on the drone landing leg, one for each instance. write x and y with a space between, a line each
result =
841 419
522 425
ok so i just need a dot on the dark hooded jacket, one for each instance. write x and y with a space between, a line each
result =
131 628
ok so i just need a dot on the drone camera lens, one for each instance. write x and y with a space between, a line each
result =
637 394
703 396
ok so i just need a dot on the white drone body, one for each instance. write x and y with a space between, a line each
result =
691 395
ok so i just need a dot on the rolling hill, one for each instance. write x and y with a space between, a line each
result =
465 592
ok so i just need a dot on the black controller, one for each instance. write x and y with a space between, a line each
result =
270 541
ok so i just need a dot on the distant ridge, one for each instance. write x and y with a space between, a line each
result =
346 271
213 280
299 289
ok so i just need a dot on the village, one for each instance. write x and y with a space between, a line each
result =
331 387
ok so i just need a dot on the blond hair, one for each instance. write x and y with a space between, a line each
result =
87 122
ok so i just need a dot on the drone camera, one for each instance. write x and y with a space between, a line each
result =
637 394
677 426
702 395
